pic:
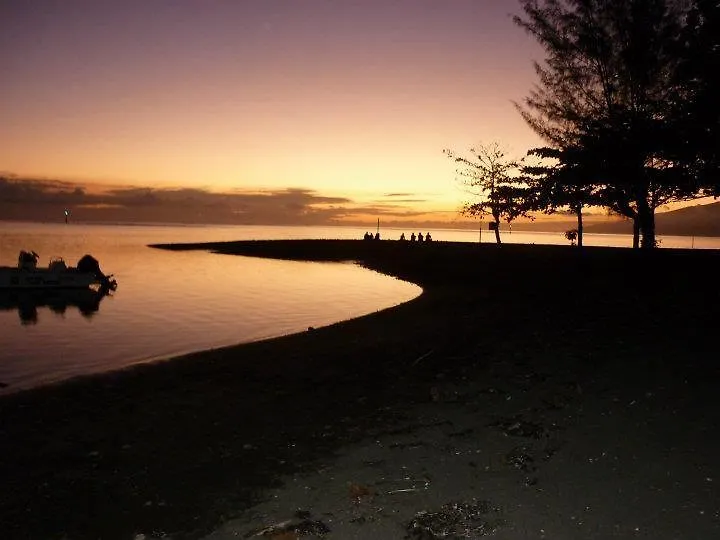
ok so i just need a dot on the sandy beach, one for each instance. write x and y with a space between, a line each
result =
529 392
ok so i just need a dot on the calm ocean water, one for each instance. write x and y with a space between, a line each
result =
170 303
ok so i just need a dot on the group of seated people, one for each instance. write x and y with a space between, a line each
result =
369 236
420 238
413 238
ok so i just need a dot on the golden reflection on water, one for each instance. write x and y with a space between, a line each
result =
169 303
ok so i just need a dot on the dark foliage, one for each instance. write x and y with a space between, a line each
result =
495 181
624 102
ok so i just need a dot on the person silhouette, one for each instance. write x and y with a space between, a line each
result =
420 237
402 236
377 236
428 238
412 237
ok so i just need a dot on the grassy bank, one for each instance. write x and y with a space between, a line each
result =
180 446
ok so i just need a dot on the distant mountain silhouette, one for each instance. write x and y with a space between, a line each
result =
700 220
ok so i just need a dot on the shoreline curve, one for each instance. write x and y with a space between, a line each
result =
182 446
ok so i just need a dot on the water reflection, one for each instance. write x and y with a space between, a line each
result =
27 302
171 303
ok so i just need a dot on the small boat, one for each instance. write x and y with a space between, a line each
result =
57 275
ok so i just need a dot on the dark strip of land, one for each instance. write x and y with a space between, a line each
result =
178 447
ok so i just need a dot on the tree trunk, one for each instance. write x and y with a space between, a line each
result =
578 211
648 230
636 232
644 212
496 218
646 222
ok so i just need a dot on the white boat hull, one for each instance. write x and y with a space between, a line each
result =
43 278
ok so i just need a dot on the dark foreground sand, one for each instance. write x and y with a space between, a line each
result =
530 392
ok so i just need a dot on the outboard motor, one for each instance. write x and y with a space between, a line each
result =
88 263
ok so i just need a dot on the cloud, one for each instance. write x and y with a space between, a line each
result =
44 200
412 201
380 210
39 191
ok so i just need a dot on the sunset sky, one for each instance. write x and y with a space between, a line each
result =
349 102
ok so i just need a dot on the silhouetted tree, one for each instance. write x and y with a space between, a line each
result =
496 182
557 182
697 117
606 96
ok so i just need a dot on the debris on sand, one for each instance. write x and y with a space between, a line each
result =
360 492
521 458
518 427
455 521
301 526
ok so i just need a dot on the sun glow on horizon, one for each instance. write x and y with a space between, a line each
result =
338 99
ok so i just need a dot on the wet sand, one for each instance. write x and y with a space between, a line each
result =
529 392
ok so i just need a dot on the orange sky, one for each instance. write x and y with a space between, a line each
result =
346 99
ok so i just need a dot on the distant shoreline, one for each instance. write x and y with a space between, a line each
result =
668 224
571 336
